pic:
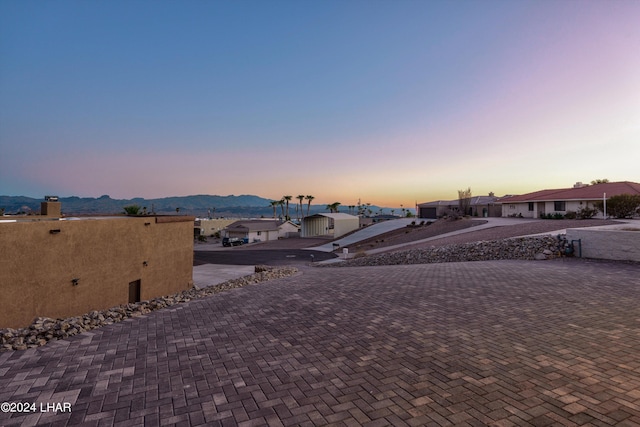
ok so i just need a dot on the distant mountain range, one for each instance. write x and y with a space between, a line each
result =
199 206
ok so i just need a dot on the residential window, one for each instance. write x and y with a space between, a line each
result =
530 206
259 233
559 206
512 206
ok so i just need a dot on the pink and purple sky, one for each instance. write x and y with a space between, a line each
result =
389 102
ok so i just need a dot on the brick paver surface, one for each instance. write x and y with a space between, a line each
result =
505 343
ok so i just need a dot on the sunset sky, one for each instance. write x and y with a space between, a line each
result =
389 102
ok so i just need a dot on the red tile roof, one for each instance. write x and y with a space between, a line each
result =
589 192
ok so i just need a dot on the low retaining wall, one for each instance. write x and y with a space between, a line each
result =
528 248
613 244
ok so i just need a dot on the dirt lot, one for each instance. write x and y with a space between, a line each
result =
411 234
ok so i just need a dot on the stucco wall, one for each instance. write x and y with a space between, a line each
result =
614 244
104 254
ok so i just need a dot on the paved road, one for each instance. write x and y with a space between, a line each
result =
508 343
259 256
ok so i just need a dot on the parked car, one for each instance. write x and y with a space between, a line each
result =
231 241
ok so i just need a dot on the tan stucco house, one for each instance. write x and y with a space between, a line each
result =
60 267
209 227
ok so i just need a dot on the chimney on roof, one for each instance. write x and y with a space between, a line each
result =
51 207
579 185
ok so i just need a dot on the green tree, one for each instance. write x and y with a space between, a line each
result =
132 210
621 206
599 181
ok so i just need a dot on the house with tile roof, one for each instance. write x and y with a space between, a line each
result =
563 200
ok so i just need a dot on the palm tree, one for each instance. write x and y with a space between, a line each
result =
309 198
281 204
333 207
287 199
274 205
300 198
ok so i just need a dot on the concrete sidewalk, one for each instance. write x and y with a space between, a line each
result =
214 274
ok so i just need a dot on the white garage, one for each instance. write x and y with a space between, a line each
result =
329 224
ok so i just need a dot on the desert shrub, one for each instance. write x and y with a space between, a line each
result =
558 215
586 213
621 206
452 214
571 215
132 210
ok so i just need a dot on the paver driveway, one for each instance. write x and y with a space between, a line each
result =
499 342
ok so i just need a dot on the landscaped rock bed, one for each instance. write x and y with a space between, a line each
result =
45 329
525 248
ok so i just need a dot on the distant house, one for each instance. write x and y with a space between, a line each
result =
329 224
481 206
261 230
209 227
563 200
